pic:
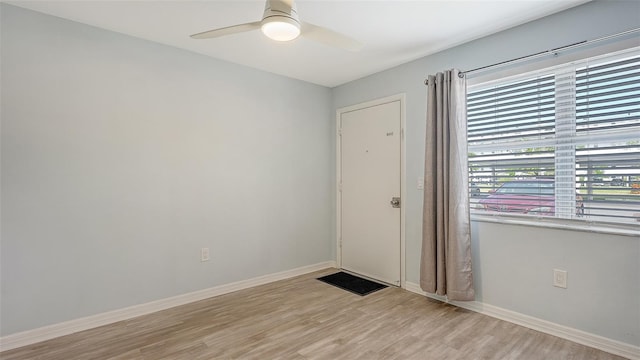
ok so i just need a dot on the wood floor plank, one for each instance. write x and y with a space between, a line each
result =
302 318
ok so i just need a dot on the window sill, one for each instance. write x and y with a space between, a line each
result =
562 224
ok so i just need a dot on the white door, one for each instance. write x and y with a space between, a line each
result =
370 173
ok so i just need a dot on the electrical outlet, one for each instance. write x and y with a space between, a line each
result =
560 278
204 254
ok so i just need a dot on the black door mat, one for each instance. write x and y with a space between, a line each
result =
352 283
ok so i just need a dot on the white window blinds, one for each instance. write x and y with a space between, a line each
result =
561 143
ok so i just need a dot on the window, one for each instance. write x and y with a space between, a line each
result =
559 143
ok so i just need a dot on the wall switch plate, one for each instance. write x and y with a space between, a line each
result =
560 278
204 254
421 183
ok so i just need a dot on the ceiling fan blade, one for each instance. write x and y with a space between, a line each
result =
330 37
227 30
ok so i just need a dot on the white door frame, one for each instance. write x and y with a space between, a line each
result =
403 169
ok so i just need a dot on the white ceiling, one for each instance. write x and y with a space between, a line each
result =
393 31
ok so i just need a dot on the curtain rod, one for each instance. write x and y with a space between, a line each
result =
546 52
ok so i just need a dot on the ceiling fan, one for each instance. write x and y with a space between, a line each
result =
280 22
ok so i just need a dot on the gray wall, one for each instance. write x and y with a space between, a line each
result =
514 264
121 158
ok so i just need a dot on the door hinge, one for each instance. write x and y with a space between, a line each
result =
340 187
340 132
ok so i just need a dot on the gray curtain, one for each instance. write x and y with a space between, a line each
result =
445 267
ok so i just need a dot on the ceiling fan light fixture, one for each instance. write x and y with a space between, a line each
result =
280 28
280 22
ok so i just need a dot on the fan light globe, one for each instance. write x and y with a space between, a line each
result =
280 28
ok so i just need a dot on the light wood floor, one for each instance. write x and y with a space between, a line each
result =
302 318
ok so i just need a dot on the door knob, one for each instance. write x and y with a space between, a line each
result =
395 202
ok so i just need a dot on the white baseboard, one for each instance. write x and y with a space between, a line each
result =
69 327
595 341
